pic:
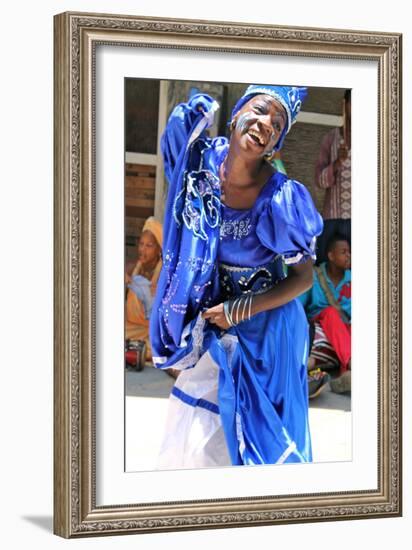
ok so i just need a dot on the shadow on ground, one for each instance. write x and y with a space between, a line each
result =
330 400
150 382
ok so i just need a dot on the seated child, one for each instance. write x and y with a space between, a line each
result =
328 307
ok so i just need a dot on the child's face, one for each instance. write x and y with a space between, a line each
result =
340 255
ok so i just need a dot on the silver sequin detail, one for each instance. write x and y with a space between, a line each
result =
237 229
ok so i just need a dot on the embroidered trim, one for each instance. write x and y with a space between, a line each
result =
198 203
172 289
262 274
293 259
179 308
299 258
236 280
228 267
198 264
193 356
237 229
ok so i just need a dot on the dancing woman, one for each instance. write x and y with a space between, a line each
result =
225 313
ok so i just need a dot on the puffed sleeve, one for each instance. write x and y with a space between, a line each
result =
290 223
186 122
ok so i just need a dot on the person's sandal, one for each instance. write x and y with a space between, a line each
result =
317 381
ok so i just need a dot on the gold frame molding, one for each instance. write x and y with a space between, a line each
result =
75 39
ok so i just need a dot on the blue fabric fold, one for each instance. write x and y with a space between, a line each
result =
290 222
263 398
189 278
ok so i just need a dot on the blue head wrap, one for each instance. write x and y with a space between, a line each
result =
290 97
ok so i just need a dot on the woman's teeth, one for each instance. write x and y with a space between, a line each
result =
256 137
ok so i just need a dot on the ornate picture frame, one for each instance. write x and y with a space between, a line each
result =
76 510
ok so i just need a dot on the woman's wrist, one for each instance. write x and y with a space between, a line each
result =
238 309
243 308
259 303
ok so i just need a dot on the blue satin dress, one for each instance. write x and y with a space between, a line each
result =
241 397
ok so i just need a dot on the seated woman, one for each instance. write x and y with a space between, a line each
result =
142 283
328 306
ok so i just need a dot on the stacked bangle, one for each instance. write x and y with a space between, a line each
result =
235 310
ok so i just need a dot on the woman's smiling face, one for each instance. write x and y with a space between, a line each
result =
259 124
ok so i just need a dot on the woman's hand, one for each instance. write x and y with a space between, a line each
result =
216 316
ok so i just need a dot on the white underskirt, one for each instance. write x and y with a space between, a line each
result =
194 436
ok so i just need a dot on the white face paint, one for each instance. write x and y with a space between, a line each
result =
244 122
263 113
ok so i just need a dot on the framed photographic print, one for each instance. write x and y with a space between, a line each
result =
118 80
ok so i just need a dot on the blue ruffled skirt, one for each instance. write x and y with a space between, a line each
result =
245 401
